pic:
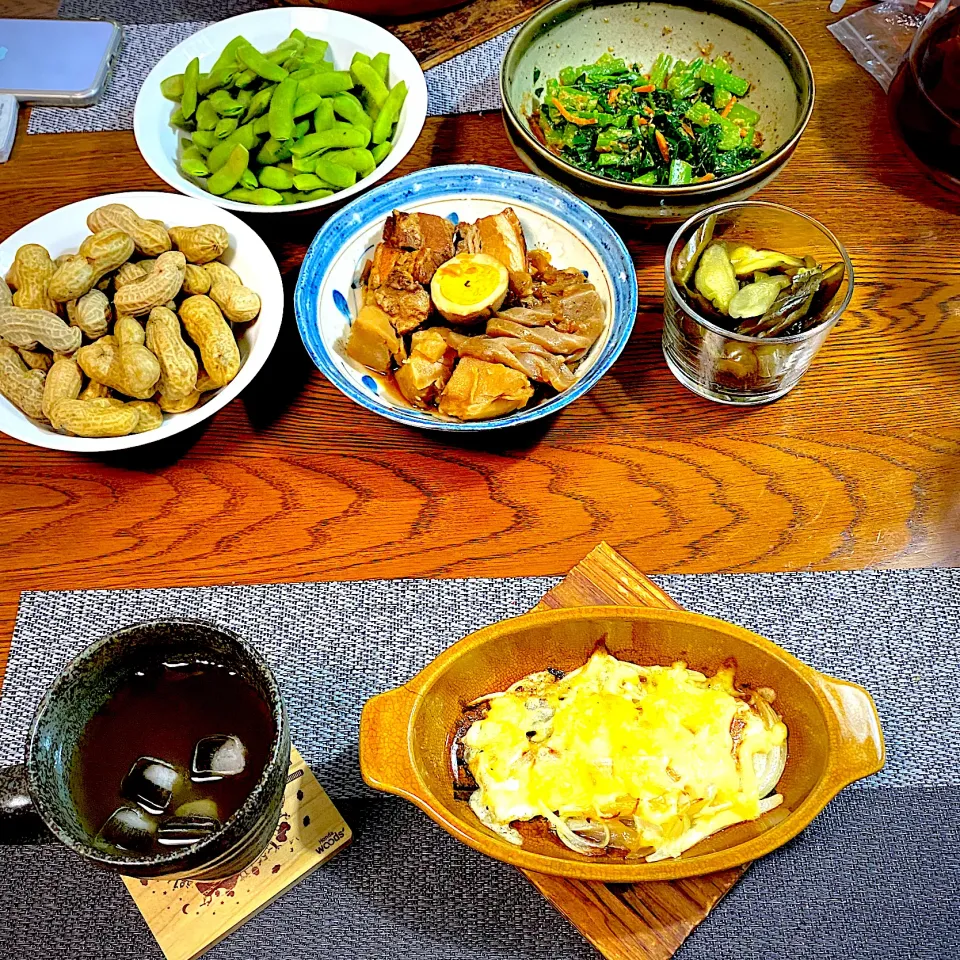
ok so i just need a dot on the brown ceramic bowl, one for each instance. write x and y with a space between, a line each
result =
405 734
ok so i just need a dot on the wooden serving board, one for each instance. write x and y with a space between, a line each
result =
188 917
634 921
440 36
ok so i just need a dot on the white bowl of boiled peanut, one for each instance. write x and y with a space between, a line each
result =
130 317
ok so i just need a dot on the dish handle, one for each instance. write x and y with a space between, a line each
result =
861 750
384 752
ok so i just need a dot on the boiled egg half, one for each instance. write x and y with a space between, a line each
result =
469 287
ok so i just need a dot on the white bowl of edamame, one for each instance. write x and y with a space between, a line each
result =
281 110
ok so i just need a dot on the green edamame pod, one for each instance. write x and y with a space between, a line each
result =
297 34
301 129
206 115
359 57
323 116
341 136
205 139
228 176
304 164
261 125
228 58
179 120
292 64
389 113
172 87
316 195
195 168
215 79
286 165
218 156
380 151
285 49
225 126
273 151
334 173
243 79
306 103
351 109
259 103
356 158
307 181
328 83
248 180
244 98
373 86
381 64
188 102
246 136
262 196
190 151
301 73
281 110
248 55
225 105
314 50
275 178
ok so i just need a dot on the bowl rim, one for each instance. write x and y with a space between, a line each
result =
455 181
414 694
268 334
412 125
823 327
657 192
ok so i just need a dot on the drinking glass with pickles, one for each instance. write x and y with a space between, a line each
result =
752 291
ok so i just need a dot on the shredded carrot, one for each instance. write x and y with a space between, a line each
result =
726 110
663 146
687 129
579 121
705 178
646 88
648 110
613 95
642 121
743 132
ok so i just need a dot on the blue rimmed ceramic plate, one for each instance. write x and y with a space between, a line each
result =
328 292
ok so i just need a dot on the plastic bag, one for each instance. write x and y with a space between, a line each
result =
879 36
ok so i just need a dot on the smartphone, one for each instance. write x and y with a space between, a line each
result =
60 62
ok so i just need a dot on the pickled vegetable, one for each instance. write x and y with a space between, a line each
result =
746 260
755 299
715 278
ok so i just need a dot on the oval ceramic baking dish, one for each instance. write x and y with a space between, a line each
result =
406 733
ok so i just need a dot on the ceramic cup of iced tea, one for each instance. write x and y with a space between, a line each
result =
162 750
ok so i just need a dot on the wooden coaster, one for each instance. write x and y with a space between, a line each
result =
189 917
627 921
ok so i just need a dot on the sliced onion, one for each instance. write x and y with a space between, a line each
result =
770 803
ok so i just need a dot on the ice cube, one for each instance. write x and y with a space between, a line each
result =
180 831
129 828
218 756
150 783
198 808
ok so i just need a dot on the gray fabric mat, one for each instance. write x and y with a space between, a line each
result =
467 83
333 645
159 11
876 876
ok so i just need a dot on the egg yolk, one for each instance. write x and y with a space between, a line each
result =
465 282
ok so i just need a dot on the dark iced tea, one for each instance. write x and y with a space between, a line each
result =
924 99
170 757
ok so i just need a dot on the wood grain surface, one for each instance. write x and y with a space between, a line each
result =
858 467
627 921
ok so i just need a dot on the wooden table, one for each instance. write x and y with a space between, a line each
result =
858 467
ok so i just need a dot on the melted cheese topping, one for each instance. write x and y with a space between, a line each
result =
670 753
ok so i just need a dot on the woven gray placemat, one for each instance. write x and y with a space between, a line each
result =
876 877
466 83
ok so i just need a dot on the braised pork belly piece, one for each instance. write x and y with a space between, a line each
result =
529 346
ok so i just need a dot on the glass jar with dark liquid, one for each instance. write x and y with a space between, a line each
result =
924 98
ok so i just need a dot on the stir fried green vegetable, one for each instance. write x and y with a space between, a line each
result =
675 124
